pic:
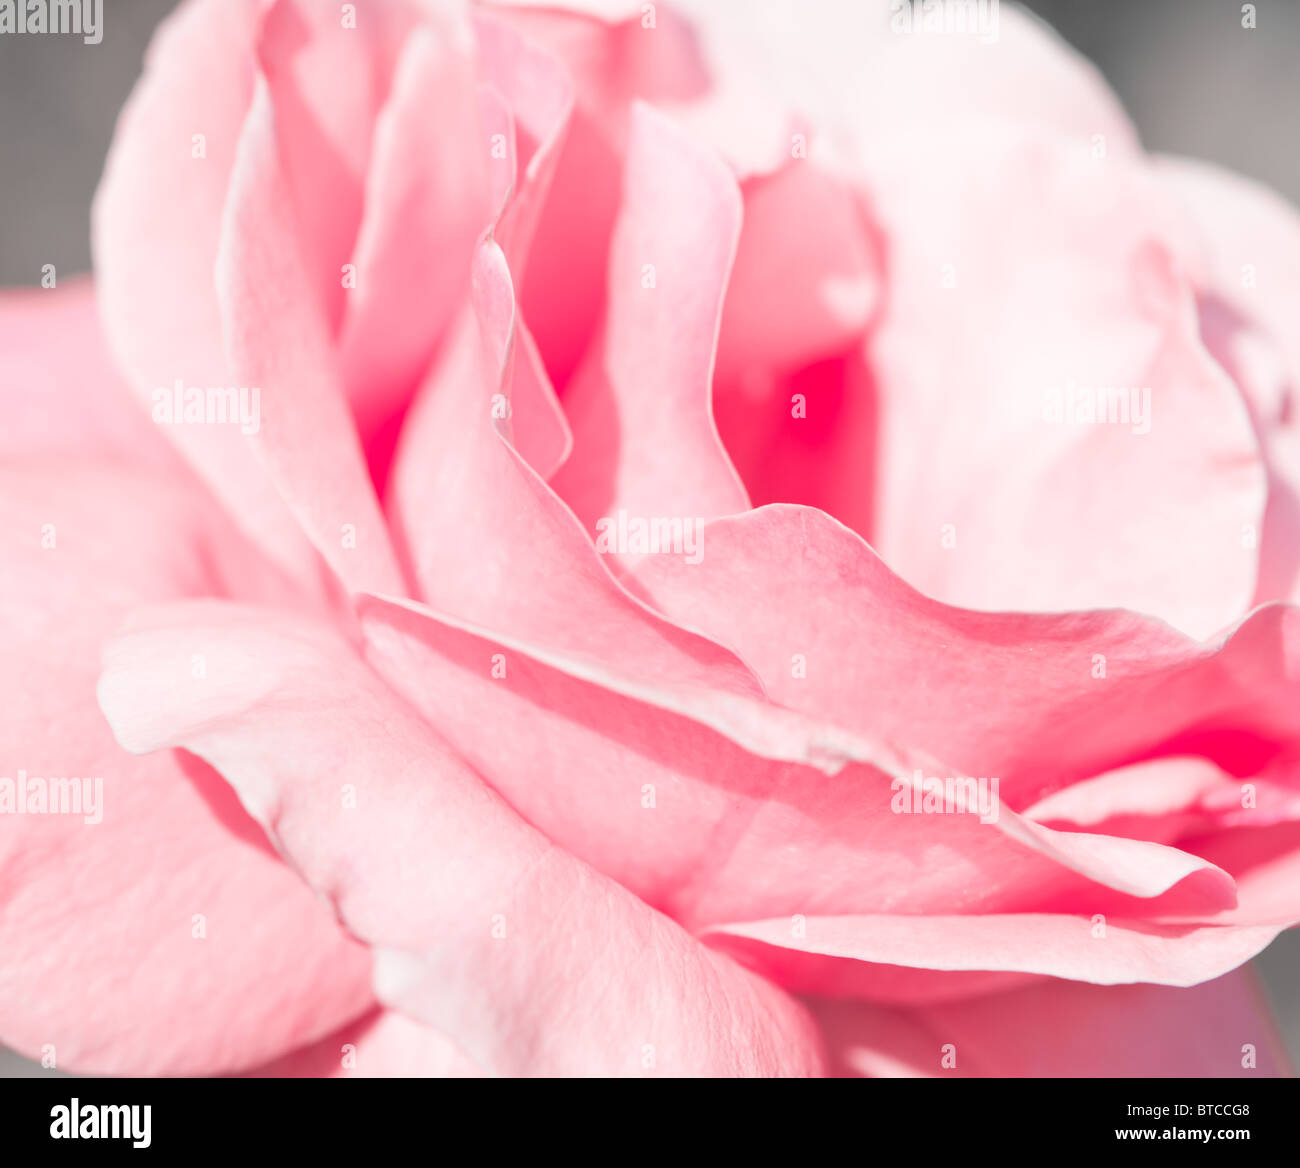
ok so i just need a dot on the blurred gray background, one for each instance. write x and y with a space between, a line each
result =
1190 76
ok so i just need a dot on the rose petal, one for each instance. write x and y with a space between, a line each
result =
887 958
100 925
276 340
379 1044
1007 506
60 390
1069 1030
709 818
1077 694
427 203
845 63
539 95
644 438
461 897
1252 238
472 518
326 82
610 65
796 296
156 226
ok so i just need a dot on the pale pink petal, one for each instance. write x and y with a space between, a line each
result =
59 388
1165 799
380 1044
842 68
611 11
473 519
497 123
1054 274
793 398
485 929
156 226
276 340
644 438
563 288
1266 864
541 432
1248 304
539 97
912 958
832 631
847 64
872 1041
537 91
985 75
723 803
1158 793
326 82
806 278
167 938
1251 240
1069 1030
609 66
747 113
427 203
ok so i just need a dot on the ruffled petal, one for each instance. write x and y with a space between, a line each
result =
461 898
644 438
277 340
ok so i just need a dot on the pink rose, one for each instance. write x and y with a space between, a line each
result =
649 544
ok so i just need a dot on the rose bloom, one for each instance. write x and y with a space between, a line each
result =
600 540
